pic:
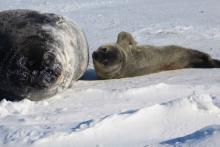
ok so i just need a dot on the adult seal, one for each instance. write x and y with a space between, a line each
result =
40 54
126 58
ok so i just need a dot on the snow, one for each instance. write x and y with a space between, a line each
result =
172 108
207 136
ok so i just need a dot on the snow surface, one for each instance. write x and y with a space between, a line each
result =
173 108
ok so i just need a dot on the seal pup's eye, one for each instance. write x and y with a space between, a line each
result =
103 49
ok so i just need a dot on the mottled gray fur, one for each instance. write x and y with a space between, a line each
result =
40 54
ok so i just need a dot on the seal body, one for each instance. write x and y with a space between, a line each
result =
127 59
40 54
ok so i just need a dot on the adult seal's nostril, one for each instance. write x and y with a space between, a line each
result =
41 54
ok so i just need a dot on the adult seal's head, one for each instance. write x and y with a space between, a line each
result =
40 53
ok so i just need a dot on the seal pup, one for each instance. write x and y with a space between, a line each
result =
126 58
40 54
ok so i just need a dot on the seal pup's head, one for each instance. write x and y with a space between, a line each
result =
108 60
111 58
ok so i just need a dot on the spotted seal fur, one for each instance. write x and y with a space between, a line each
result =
40 54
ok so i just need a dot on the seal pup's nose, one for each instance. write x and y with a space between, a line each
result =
96 55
